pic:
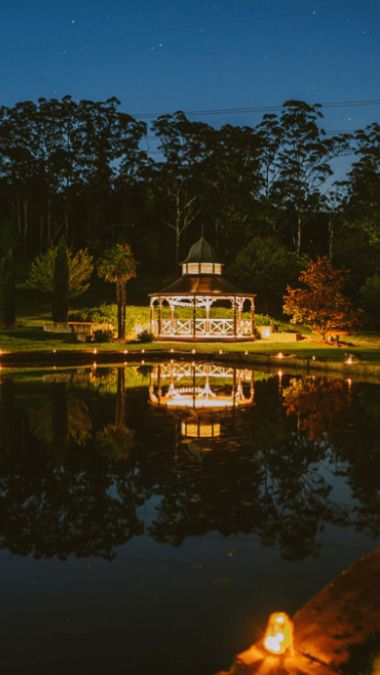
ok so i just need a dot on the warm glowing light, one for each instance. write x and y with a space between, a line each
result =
172 351
313 358
200 429
349 360
143 351
280 374
280 355
349 382
220 351
193 351
278 638
54 351
246 353
94 365
95 351
125 351
143 363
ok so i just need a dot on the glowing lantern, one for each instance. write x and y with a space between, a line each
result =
349 361
278 637
193 351
143 351
245 353
95 351
125 351
280 355
220 351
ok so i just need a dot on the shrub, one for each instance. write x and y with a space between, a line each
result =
145 336
102 335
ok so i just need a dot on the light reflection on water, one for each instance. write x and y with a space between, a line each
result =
174 505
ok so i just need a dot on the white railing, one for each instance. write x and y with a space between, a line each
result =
204 328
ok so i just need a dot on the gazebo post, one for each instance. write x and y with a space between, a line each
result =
151 316
252 316
194 317
159 315
208 305
235 317
172 323
240 306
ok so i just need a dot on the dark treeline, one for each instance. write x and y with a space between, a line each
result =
266 194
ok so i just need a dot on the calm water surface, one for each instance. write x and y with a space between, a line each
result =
151 517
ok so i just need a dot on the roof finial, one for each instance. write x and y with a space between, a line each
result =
202 231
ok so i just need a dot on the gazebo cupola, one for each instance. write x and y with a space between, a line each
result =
188 308
201 259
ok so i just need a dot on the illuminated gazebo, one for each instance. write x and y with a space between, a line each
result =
200 393
185 309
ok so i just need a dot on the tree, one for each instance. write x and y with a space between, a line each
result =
266 265
183 146
61 284
302 163
118 266
41 275
321 303
370 299
7 289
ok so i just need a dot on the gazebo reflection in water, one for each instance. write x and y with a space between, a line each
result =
200 393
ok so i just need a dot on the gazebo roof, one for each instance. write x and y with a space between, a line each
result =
201 252
202 284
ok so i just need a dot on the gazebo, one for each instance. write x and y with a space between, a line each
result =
184 310
200 393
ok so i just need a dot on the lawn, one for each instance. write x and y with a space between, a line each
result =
28 336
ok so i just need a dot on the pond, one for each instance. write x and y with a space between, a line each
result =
152 516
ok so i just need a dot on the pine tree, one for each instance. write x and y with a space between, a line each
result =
7 289
61 284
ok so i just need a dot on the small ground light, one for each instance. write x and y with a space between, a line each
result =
246 353
280 355
193 351
54 351
125 351
220 351
143 351
142 362
313 358
171 351
278 638
349 360
280 374
95 351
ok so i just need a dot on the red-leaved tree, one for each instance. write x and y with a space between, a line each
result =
320 303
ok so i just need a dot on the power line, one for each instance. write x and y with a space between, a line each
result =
257 109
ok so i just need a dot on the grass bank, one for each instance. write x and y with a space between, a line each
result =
27 343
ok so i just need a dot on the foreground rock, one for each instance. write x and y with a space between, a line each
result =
339 627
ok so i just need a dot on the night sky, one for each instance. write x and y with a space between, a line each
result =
195 55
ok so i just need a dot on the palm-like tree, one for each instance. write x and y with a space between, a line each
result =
117 266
